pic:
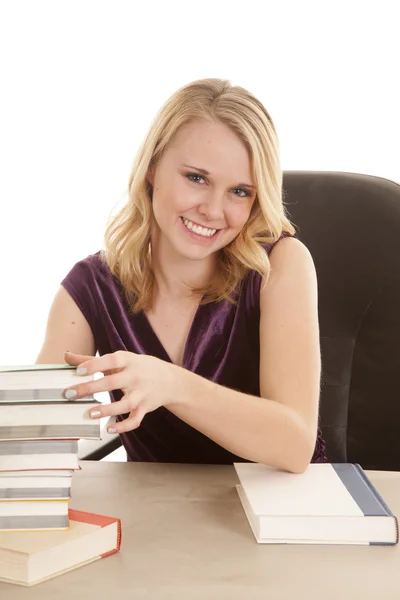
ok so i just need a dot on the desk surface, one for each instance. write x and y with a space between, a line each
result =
185 536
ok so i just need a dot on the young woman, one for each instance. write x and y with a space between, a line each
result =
202 307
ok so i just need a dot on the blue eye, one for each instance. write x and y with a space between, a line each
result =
242 193
195 177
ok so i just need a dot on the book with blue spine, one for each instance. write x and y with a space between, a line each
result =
327 504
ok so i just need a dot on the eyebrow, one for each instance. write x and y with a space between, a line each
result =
205 172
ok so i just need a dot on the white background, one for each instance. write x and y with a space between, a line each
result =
81 81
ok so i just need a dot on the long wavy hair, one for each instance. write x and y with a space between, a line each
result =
127 237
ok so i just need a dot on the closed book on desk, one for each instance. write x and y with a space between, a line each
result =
328 504
28 558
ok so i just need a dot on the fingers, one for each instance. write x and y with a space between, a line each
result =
116 377
115 361
132 422
76 359
111 364
108 383
128 405
121 407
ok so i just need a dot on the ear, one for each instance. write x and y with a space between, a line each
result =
150 175
149 182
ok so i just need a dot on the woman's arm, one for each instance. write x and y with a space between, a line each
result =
66 329
280 427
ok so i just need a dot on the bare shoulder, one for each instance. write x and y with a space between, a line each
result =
291 266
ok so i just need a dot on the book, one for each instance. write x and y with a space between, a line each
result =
33 515
327 504
38 473
37 395
36 367
28 558
28 455
38 382
46 484
11 377
35 488
62 420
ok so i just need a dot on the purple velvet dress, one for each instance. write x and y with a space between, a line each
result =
222 345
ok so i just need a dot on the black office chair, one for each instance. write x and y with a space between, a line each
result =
351 225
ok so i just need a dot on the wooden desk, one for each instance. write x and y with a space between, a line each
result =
185 536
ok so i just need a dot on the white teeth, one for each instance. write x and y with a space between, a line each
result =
199 230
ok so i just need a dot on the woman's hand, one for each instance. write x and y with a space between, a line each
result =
145 381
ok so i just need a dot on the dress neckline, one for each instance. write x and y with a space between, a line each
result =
156 343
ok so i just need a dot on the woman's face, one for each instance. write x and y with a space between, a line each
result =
203 189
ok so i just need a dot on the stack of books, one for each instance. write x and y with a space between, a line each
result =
39 433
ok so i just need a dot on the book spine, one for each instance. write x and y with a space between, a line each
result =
119 539
375 493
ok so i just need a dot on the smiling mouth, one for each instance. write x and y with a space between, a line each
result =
203 231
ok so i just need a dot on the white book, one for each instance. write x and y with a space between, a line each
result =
50 414
31 462
34 488
328 504
34 515
48 473
33 482
36 508
38 377
38 454
48 421
46 376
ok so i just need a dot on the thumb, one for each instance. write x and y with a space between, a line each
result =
76 359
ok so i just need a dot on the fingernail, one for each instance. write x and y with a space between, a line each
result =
112 430
81 371
69 394
95 414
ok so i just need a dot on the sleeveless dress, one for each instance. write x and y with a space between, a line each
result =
222 346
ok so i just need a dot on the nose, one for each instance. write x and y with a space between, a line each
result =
212 206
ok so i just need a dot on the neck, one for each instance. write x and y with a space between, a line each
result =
175 275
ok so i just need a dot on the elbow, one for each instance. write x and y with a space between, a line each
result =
299 453
300 446
301 456
297 466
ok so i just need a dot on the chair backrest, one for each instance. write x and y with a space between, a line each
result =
351 225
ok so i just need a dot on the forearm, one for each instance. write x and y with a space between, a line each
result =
253 428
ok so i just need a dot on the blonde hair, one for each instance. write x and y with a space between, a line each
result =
127 237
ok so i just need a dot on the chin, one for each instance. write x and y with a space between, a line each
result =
196 253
